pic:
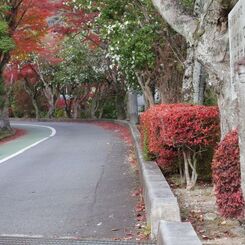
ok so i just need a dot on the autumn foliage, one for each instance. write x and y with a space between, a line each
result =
30 25
11 73
180 126
150 132
180 131
30 22
227 177
14 72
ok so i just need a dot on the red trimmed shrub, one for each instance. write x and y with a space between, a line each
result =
168 129
167 156
227 177
150 130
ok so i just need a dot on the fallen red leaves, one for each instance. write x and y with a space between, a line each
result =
122 131
125 134
142 231
137 192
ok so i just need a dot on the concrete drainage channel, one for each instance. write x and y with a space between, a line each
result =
162 209
44 241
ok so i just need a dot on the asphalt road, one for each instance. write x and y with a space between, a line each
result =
75 184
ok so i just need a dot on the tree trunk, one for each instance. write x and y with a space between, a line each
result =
208 35
187 85
37 112
93 109
51 98
33 99
147 91
4 100
67 106
194 80
199 80
96 108
51 109
12 22
49 92
119 98
120 106
190 164
4 117
149 95
76 109
186 169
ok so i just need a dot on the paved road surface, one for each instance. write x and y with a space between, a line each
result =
76 184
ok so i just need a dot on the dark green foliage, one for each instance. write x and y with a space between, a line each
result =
114 9
59 113
6 43
210 97
109 109
2 93
188 4
146 152
204 169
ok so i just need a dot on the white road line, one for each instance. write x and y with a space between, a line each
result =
35 125
21 236
53 132
37 236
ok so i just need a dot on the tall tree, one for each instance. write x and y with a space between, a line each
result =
82 67
132 31
207 34
22 24
31 85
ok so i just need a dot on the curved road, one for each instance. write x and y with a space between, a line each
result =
75 184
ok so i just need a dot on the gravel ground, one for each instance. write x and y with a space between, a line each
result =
198 207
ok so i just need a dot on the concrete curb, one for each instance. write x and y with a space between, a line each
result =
161 204
162 208
177 233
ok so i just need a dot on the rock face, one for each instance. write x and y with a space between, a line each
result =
237 62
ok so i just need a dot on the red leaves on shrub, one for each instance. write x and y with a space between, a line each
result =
177 126
166 156
227 177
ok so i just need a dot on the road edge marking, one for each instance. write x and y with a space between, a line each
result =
54 238
20 236
53 133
